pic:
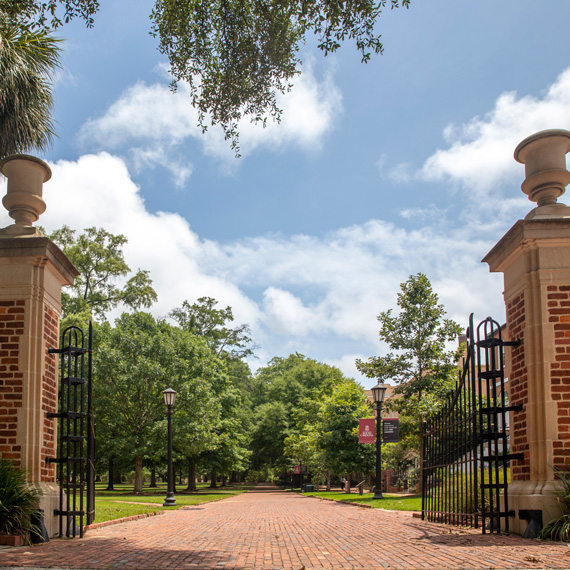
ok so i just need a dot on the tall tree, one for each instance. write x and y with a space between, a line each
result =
98 255
338 429
138 359
421 364
237 56
28 59
205 320
286 397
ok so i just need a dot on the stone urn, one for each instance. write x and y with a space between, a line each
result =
23 200
544 157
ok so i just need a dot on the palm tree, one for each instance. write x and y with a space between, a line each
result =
28 59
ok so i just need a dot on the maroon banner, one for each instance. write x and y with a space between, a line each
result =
366 430
297 469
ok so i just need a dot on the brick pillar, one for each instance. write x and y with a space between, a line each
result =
534 256
32 272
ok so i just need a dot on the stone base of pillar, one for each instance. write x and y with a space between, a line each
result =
49 502
532 496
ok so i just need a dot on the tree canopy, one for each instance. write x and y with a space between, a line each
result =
28 59
420 362
235 56
204 319
98 255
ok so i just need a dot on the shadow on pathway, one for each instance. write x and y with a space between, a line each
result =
270 529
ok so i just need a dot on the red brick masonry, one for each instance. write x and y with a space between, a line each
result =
11 379
518 388
559 314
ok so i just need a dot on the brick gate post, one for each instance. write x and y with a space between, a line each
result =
32 272
534 256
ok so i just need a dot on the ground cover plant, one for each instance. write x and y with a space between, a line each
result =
121 502
18 501
390 502
559 529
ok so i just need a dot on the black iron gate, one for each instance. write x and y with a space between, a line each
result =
76 433
465 446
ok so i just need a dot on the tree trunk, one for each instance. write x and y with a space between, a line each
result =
153 477
191 476
213 483
110 486
224 481
328 480
180 475
138 474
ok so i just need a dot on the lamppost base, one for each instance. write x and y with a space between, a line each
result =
378 495
170 501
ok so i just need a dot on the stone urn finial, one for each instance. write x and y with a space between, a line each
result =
23 200
544 157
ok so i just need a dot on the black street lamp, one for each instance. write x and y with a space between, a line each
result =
378 393
169 398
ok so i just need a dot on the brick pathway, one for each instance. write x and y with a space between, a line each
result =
280 530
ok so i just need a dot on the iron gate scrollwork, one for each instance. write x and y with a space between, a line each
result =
465 446
76 432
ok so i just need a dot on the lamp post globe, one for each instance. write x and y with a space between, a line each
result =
169 398
378 393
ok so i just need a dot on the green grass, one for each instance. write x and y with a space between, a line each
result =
391 502
109 505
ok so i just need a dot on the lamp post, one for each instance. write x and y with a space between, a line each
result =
169 398
378 393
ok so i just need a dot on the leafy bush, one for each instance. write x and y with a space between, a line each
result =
18 501
559 529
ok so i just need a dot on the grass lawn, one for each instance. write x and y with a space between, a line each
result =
391 502
116 504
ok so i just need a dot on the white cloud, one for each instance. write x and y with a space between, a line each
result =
480 155
402 173
152 122
311 290
347 365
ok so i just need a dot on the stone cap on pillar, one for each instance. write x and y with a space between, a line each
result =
23 200
544 157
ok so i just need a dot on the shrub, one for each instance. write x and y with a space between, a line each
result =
559 529
18 501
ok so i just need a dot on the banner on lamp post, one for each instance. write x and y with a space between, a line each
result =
366 430
391 430
297 469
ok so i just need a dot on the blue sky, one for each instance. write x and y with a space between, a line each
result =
376 172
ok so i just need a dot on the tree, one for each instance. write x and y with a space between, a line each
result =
421 365
135 361
98 255
286 398
28 58
236 55
47 14
338 428
205 320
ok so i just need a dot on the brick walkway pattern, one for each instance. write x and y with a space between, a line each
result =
278 530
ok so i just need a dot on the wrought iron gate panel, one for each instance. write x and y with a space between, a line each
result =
75 458
465 445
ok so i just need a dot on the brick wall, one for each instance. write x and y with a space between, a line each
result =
518 389
558 299
49 394
11 379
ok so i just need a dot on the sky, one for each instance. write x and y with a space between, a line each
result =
377 171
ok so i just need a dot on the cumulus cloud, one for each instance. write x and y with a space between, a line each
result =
150 122
480 152
311 291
